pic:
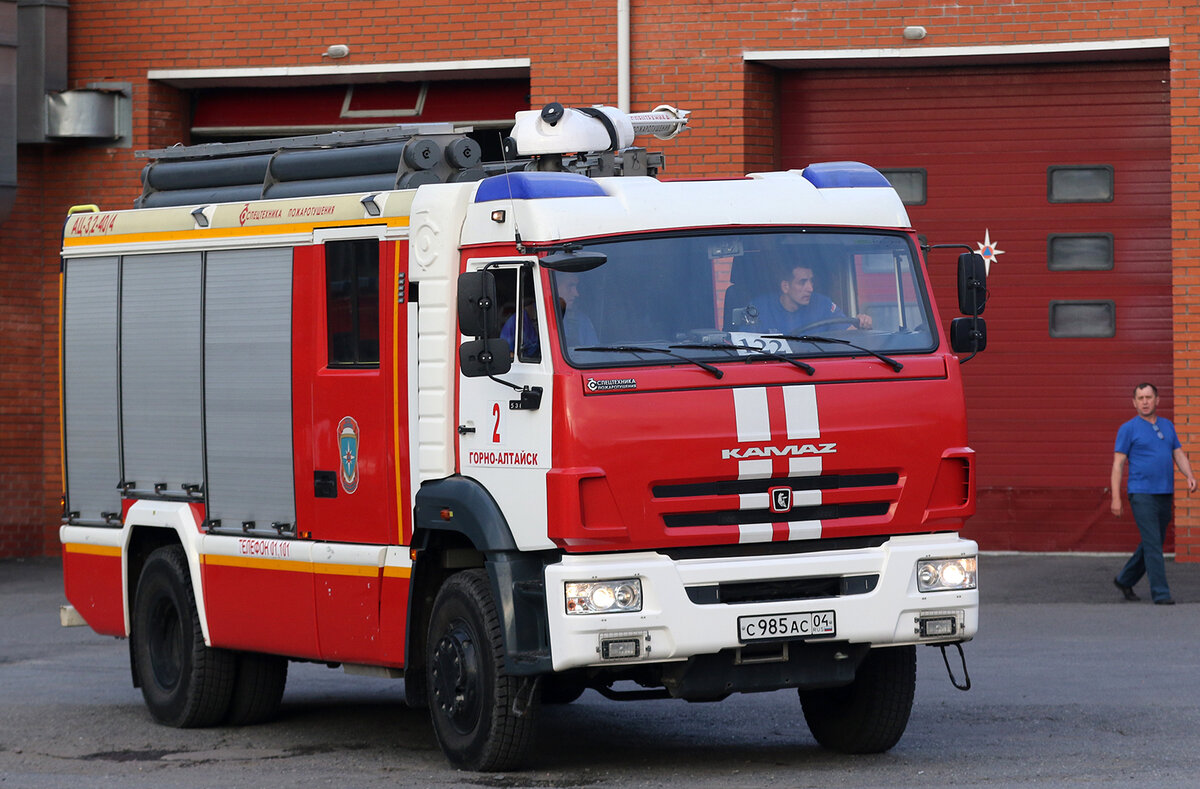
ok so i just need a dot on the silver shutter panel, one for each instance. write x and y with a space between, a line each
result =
90 397
248 388
161 371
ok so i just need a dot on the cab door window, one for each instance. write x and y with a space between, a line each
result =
518 299
352 302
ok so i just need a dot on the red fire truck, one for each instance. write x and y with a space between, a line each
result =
513 430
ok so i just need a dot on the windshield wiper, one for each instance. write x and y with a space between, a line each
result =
757 353
889 361
643 349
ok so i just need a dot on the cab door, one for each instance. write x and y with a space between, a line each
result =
346 381
504 431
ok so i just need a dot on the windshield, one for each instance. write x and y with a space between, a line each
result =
712 296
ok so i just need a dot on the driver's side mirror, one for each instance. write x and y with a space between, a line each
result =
477 358
968 335
478 312
479 317
972 284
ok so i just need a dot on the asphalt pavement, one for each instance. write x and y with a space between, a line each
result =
1062 698
1073 578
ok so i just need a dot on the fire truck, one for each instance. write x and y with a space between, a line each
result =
513 430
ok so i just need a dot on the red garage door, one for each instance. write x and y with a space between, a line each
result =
1065 170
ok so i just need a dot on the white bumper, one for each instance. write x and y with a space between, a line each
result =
672 627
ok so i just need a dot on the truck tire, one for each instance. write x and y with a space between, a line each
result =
472 701
257 688
870 714
185 683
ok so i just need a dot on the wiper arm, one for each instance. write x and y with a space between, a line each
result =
757 352
889 361
643 349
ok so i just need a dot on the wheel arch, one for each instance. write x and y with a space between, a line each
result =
152 525
457 526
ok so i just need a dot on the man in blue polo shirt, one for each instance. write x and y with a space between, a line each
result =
797 307
1149 444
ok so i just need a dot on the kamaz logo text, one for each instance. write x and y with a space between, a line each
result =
791 450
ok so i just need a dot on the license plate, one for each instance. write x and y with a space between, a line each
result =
805 625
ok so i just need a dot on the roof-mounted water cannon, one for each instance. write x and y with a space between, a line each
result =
557 130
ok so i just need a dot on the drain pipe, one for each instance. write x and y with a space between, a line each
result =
623 55
8 107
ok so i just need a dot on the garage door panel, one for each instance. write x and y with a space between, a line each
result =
985 137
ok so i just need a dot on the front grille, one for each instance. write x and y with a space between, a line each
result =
691 552
743 517
857 496
735 487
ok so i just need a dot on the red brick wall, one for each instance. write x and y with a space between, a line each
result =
1185 232
687 53
30 483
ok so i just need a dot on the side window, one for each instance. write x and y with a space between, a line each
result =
352 302
506 302
518 312
529 349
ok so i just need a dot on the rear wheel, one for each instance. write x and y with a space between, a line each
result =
478 718
870 714
185 683
257 688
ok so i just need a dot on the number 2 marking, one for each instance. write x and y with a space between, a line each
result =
496 429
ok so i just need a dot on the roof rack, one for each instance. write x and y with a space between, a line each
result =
402 157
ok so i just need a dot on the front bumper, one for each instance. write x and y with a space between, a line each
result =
671 626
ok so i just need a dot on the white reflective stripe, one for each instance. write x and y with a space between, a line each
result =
756 469
800 411
804 530
755 501
804 467
806 498
750 412
756 532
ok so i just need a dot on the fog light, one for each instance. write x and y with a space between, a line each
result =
938 626
604 597
939 575
621 648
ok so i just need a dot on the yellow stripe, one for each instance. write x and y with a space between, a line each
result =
258 563
397 572
346 569
397 414
95 550
62 424
225 232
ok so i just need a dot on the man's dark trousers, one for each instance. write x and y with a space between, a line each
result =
1152 511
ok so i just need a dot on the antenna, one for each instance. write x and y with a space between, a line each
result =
512 206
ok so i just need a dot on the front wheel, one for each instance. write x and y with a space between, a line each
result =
870 714
184 682
481 717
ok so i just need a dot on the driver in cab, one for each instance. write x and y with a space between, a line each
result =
799 307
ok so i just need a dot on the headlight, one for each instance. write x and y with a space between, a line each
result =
939 575
604 597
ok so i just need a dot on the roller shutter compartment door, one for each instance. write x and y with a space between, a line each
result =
161 373
92 451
